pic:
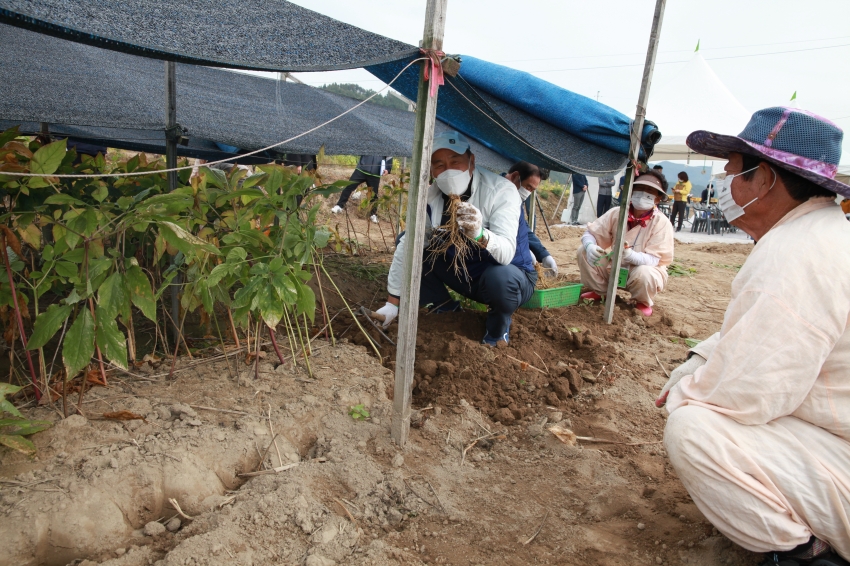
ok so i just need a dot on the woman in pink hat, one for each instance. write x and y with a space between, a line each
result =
648 246
759 426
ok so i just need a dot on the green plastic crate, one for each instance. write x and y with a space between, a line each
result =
624 277
556 297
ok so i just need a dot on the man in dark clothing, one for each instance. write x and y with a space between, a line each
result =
603 203
301 161
579 190
527 178
369 170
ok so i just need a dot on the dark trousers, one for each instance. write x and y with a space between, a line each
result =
679 207
358 179
603 204
501 287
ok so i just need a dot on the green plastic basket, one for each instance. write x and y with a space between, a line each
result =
624 277
556 297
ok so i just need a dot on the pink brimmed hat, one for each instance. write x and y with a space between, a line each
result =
804 143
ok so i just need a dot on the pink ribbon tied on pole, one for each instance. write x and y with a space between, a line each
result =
434 69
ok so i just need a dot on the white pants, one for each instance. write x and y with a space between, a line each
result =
643 284
766 487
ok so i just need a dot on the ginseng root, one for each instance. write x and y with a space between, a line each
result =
450 236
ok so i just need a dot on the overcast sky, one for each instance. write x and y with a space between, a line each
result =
763 50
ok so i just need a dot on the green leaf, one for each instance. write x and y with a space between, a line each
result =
66 269
47 324
63 199
140 291
183 240
286 290
218 273
691 342
320 240
18 443
48 157
23 427
9 135
112 298
236 255
306 302
100 193
215 177
255 193
271 308
111 341
79 343
5 405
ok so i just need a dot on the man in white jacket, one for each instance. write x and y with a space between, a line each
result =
500 272
759 426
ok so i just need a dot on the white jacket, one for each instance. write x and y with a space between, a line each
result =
500 206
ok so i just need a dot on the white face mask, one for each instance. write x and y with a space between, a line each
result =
523 193
642 200
453 181
731 209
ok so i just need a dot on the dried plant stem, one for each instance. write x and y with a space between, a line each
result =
19 318
233 327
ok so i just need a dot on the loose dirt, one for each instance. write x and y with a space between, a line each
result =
480 475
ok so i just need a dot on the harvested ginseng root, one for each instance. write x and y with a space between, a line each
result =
449 236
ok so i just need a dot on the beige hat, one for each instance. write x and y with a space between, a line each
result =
647 181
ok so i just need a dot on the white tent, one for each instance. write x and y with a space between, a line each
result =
696 99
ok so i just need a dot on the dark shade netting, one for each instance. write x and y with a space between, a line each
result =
240 34
118 100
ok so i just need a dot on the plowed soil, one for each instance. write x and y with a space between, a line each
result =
481 481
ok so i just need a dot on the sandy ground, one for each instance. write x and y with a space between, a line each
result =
482 480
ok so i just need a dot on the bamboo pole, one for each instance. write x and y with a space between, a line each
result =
634 152
423 139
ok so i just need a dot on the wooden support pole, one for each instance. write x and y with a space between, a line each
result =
420 172
171 163
634 152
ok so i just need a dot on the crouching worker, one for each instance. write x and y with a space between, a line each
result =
648 246
759 425
499 271
527 178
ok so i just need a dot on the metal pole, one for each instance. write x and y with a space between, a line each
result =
543 216
420 173
634 152
171 163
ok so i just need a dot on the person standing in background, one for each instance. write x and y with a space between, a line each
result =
579 190
369 169
603 202
680 199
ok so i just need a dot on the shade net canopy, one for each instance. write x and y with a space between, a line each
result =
240 34
118 100
525 118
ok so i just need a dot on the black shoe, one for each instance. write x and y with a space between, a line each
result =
815 552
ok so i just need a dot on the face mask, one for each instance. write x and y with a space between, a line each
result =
731 209
642 200
524 193
453 181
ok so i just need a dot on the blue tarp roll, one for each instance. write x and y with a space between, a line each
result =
579 115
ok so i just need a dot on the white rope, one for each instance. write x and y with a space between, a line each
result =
541 152
187 167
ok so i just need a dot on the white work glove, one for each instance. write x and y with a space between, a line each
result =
469 220
688 368
389 311
628 255
549 263
594 252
